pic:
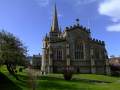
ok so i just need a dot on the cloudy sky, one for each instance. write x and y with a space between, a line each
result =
30 20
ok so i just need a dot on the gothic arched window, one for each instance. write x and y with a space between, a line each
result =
58 54
79 51
96 53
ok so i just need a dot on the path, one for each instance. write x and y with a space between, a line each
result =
32 81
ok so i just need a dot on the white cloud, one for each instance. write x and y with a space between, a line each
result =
115 28
42 3
111 8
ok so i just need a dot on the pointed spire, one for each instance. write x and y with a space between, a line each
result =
55 26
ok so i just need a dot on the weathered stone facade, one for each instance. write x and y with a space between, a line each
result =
73 47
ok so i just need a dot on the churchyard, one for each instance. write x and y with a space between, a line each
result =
33 80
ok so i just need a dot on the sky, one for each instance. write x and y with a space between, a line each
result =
30 20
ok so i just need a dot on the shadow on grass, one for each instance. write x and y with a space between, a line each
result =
58 83
22 78
23 81
73 80
89 81
54 85
50 78
7 84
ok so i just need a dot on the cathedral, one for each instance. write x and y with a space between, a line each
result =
73 47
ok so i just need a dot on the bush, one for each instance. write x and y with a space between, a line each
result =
68 73
20 69
68 76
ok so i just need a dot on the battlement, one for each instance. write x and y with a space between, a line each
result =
75 26
98 41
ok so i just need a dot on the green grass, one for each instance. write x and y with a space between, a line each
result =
56 82
21 84
7 84
79 82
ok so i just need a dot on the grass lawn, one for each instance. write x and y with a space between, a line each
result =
56 82
79 82
11 83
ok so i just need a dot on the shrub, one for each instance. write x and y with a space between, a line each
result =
68 73
20 69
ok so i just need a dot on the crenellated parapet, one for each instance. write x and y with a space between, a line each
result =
98 41
77 26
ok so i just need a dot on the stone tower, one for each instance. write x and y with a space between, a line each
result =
47 52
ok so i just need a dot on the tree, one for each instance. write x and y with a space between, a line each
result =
12 51
68 73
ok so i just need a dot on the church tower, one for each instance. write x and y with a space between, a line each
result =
47 59
54 32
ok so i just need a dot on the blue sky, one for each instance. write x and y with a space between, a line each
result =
30 20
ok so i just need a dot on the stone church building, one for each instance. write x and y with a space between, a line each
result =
73 47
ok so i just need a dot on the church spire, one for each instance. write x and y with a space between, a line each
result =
55 26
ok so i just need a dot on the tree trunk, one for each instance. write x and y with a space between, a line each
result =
11 71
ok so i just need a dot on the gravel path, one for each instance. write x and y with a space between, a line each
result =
32 81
